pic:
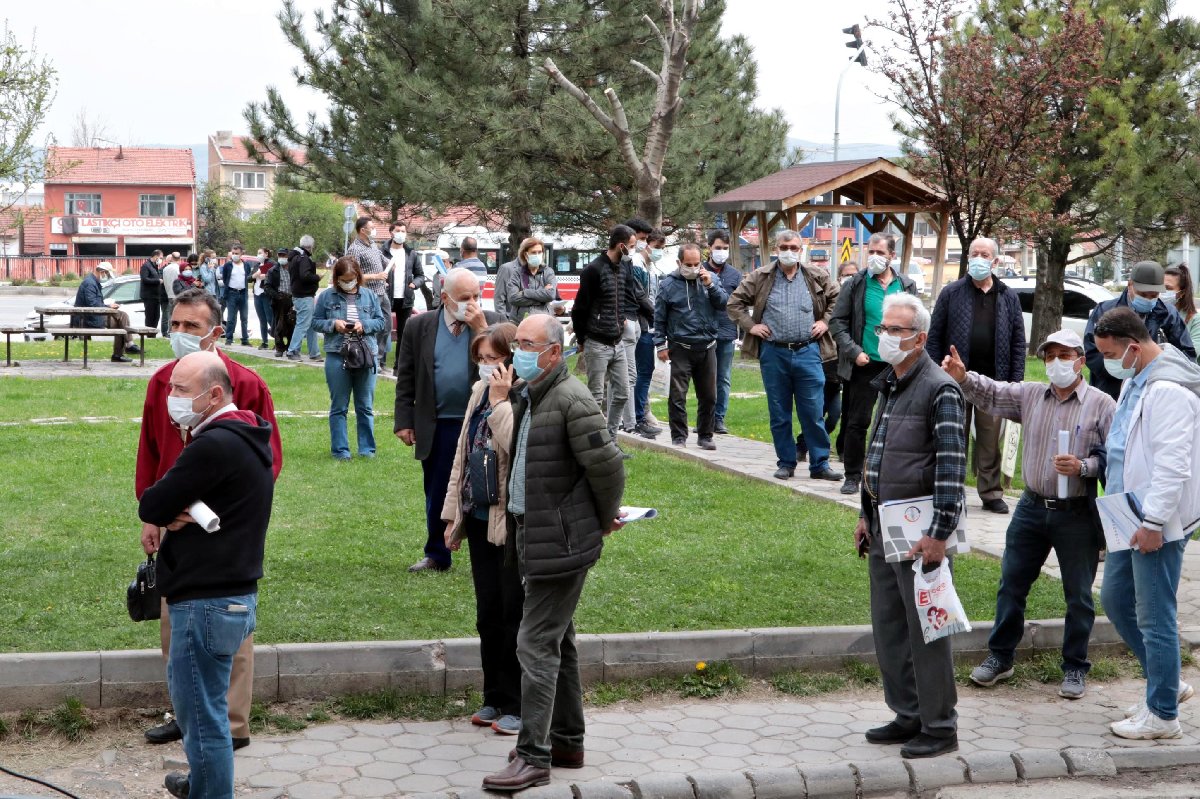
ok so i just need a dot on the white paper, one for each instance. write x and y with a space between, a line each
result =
205 517
903 522
1120 517
1064 448
1010 448
635 514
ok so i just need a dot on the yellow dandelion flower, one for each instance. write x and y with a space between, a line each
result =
701 666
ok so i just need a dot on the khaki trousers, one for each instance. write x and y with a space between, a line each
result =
985 455
241 681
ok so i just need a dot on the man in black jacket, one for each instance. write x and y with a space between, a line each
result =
305 282
278 287
151 286
209 577
406 273
91 295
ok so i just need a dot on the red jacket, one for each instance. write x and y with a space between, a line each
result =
160 442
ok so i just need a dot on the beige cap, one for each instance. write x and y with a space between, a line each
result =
105 266
1067 338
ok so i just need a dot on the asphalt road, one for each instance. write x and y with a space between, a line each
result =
14 308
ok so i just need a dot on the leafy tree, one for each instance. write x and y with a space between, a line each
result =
27 87
443 102
291 215
217 207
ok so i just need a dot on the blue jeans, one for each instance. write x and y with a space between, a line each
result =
266 319
235 306
304 330
205 635
1139 596
724 377
643 355
795 377
360 382
833 407
1031 535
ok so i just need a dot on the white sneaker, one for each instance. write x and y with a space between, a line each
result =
1146 727
1186 692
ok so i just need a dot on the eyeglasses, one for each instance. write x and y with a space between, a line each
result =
1068 358
788 248
892 330
528 346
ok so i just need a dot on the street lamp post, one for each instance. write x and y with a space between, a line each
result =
859 57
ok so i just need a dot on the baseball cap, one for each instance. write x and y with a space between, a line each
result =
1147 276
105 266
282 251
1067 338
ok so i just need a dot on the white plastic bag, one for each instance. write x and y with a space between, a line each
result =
938 607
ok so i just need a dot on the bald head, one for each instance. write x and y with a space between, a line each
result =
203 378
543 333
461 286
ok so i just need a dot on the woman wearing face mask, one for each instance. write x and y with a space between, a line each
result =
533 285
207 272
187 275
345 310
262 301
498 594
1179 295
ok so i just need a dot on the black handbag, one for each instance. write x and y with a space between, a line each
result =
142 596
355 354
485 479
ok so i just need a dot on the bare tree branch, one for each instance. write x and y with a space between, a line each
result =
653 75
583 97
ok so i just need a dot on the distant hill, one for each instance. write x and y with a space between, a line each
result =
847 151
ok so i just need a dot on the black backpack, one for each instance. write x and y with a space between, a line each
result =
355 354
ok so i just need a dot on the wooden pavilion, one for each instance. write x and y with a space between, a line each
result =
875 186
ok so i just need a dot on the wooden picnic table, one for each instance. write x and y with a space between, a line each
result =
84 333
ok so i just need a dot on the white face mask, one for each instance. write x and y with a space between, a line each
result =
641 245
186 343
534 259
789 258
889 349
459 312
1061 373
719 256
347 285
876 264
486 370
180 410
399 238
1116 367
237 259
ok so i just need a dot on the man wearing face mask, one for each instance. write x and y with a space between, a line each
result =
729 278
1044 520
647 276
406 272
236 275
150 286
687 314
639 310
785 310
305 282
859 310
918 449
434 375
1153 450
1142 296
196 327
565 484
209 580
981 317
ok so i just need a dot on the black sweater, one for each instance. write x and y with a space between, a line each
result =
228 467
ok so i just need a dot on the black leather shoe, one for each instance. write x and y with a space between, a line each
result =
927 746
164 733
850 486
719 427
891 733
240 743
177 784
783 473
517 776
826 474
121 359
132 349
996 506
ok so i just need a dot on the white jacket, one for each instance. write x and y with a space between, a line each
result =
1162 452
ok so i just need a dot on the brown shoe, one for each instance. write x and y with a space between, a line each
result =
559 758
517 776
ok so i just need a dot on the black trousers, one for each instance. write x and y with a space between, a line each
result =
285 322
402 311
498 601
698 366
150 307
436 472
856 415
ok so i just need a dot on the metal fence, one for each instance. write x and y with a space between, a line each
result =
44 267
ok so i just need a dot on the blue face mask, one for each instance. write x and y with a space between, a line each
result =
525 364
979 268
1141 304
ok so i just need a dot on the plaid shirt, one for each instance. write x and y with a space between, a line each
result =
950 466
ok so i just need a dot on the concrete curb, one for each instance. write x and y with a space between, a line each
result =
39 291
284 672
883 776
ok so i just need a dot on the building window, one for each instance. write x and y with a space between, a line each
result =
88 204
156 205
249 180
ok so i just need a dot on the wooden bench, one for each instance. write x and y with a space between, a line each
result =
141 333
9 332
85 333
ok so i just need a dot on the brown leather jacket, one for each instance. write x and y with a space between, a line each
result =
748 300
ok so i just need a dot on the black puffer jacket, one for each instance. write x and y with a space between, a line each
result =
598 312
576 474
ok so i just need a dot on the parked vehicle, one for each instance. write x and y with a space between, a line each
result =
124 290
1079 298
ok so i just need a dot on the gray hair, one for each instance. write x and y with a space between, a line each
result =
786 235
553 328
459 276
991 243
306 241
920 316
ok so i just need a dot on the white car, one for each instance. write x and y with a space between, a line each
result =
915 273
124 290
1079 298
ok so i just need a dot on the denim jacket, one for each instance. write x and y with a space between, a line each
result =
208 277
331 306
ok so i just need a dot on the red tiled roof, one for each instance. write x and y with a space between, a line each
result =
137 166
892 185
238 154
27 222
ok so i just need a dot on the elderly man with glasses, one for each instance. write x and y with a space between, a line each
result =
1046 519
785 308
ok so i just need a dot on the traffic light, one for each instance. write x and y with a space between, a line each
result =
856 43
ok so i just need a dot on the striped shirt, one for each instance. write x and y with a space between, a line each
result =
1086 414
950 466
351 309
370 261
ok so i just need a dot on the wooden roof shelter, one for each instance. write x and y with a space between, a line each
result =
873 186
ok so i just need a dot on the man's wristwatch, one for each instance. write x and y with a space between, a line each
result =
1083 472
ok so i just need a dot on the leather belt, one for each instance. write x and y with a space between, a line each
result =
794 346
1054 503
701 347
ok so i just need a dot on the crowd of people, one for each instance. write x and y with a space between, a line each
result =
520 459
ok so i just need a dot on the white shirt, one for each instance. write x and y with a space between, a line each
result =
401 269
237 275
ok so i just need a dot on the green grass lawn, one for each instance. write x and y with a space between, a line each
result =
726 552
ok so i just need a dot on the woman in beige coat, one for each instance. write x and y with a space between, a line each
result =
498 592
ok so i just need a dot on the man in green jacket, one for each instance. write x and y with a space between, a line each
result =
564 454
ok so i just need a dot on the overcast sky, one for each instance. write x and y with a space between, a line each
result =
171 73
